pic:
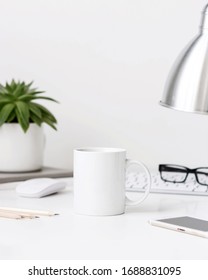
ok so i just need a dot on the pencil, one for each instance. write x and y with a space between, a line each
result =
27 211
10 215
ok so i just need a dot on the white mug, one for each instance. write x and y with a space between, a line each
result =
99 181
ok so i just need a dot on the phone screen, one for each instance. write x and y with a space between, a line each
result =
188 222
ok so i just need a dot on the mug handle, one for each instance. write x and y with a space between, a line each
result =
136 202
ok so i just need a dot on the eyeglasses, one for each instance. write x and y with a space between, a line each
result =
179 174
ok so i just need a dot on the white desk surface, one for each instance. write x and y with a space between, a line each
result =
128 236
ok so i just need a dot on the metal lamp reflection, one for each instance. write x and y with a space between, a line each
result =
187 85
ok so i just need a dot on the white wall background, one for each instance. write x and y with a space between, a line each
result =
106 61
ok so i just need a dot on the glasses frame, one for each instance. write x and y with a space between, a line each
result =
173 168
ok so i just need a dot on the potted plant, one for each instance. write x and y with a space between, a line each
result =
21 131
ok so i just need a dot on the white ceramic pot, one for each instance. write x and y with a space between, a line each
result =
21 152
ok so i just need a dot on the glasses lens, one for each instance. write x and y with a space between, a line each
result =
173 173
202 176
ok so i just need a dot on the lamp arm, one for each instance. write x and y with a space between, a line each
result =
204 21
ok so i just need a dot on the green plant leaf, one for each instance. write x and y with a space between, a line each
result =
34 91
35 110
1 86
6 98
2 89
11 116
46 98
18 90
22 112
8 87
21 121
29 96
29 85
35 119
49 122
46 113
4 101
13 85
5 112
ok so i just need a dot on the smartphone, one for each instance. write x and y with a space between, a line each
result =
185 225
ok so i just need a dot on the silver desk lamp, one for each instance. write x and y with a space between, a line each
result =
187 85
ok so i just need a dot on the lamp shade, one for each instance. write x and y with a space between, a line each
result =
186 88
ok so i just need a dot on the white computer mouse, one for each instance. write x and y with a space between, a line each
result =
39 187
